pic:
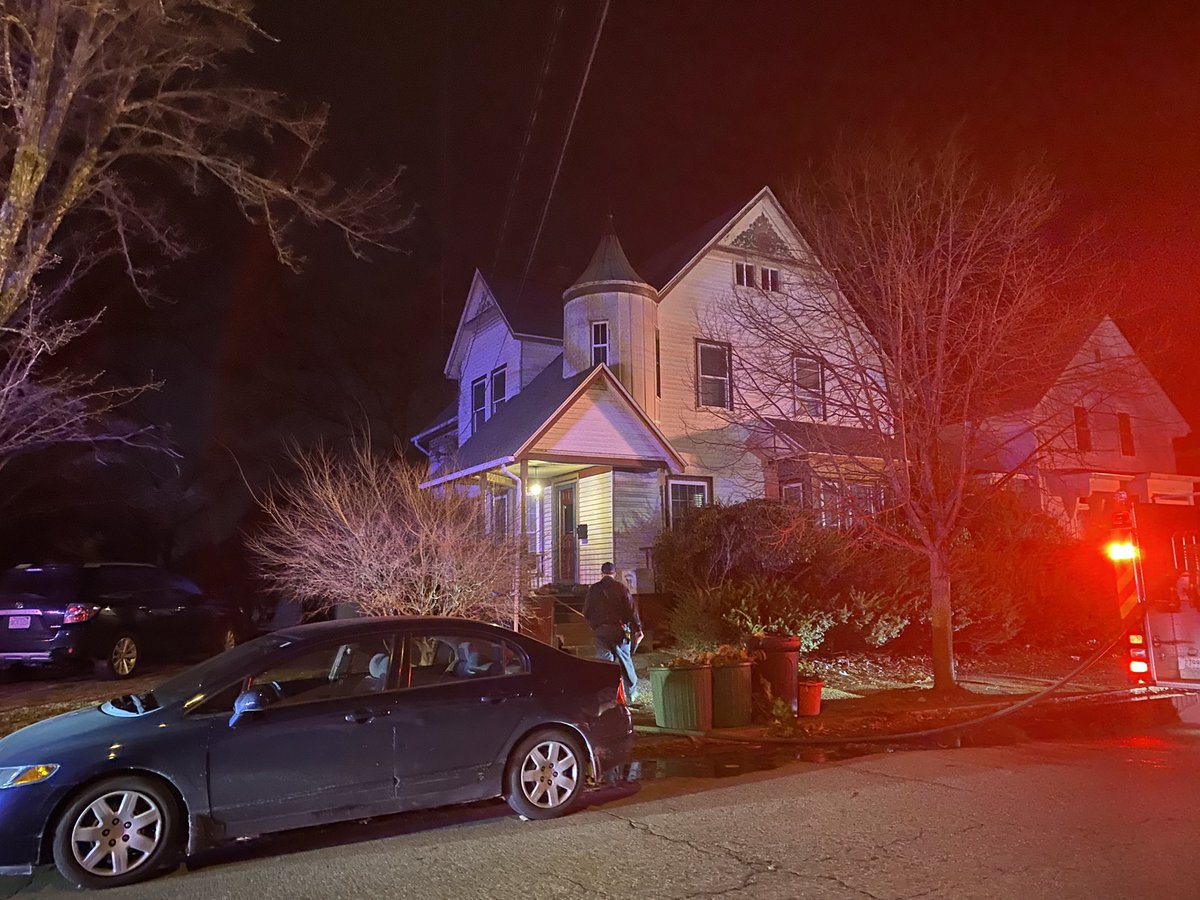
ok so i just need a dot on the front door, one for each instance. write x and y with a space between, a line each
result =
564 505
321 752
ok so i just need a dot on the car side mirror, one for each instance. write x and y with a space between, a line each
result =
248 702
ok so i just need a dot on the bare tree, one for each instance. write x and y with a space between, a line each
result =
105 104
358 529
906 349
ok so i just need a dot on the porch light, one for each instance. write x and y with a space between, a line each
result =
535 489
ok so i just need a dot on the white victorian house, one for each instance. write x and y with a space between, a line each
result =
590 415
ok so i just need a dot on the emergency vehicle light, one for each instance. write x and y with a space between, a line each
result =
1122 551
1139 666
1137 639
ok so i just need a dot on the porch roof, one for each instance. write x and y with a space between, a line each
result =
505 437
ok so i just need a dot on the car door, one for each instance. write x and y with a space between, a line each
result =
321 752
467 695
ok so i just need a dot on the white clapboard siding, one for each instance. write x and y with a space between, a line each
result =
600 425
637 520
594 508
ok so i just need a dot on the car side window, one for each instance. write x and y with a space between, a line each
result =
332 670
450 658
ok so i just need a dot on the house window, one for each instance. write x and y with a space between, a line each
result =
499 387
657 364
500 515
599 343
686 496
478 403
1125 432
769 279
743 274
1083 430
713 365
836 507
808 386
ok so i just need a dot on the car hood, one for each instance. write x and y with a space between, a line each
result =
52 739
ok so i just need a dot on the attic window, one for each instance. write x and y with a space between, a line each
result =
478 403
1083 430
743 274
599 343
769 279
1125 431
499 387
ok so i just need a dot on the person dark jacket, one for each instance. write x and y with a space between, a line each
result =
609 605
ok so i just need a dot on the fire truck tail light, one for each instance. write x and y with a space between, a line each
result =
1139 666
1122 551
1137 639
1137 652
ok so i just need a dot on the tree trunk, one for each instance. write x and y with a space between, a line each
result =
944 677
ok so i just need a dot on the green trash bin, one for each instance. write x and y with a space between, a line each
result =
732 692
683 697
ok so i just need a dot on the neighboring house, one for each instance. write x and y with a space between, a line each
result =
590 415
1103 424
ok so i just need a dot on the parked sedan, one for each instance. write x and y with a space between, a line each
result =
112 615
314 724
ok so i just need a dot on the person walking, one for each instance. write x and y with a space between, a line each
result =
616 626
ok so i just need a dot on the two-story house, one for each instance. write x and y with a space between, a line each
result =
591 415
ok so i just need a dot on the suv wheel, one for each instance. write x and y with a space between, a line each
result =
123 658
117 832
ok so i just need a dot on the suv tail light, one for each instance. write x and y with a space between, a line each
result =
79 612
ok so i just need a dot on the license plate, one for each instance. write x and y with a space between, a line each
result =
16 622
1189 664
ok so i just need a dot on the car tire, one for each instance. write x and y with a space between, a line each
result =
143 837
123 659
546 774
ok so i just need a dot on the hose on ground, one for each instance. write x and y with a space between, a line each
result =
942 729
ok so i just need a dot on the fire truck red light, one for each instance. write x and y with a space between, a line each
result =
1122 551
1137 639
1138 666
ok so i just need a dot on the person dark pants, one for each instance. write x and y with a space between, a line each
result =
613 645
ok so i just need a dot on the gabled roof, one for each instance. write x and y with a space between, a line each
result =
665 269
533 310
518 424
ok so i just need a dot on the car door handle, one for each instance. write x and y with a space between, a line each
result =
360 716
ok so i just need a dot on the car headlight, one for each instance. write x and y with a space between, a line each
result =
16 776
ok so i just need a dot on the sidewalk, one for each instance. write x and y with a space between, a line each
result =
864 699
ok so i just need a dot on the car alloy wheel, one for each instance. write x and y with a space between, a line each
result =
547 775
124 657
117 832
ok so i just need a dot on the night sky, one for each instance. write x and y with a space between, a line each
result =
690 108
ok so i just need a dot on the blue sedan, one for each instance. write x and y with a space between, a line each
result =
314 724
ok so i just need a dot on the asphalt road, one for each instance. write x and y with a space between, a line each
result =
1112 817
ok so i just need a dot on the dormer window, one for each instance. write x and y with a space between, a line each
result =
499 387
743 274
478 403
769 279
599 343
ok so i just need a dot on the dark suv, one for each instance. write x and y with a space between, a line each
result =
111 614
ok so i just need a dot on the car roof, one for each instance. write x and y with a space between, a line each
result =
315 631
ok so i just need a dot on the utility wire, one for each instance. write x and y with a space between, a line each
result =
563 150
529 129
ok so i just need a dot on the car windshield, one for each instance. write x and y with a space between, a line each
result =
211 674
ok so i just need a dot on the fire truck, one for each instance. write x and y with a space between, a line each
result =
1155 550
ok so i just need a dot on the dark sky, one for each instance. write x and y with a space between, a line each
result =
690 108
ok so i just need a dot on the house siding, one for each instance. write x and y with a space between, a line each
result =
491 346
637 520
594 508
600 425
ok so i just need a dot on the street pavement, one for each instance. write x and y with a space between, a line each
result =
1109 817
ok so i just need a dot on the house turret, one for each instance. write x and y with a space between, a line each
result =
610 315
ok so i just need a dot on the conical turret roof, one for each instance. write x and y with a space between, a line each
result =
609 270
